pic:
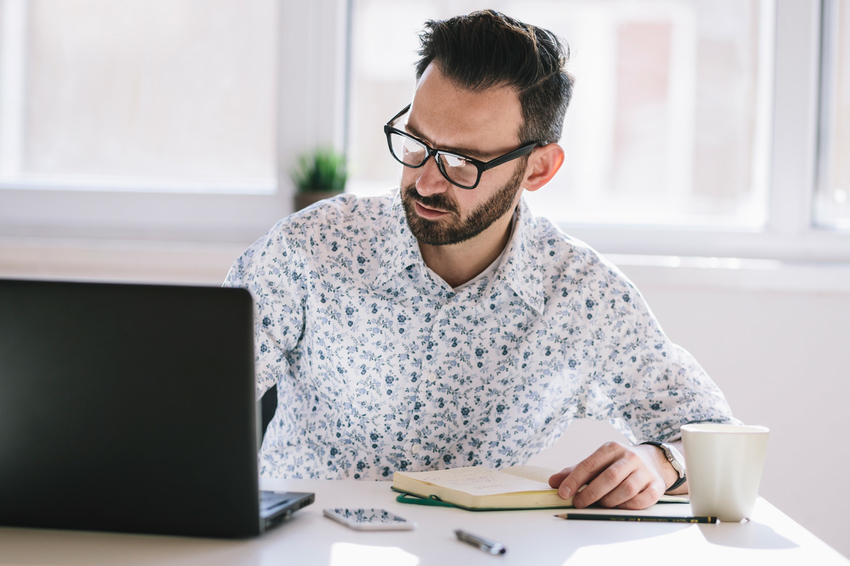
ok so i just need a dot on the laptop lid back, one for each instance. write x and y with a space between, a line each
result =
128 408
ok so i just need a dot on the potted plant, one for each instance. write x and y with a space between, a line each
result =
320 174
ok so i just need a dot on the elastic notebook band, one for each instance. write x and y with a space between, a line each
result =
411 499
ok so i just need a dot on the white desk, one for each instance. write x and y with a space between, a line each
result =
533 538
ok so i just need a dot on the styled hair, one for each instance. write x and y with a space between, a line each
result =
487 49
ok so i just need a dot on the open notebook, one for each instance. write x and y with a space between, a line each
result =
477 488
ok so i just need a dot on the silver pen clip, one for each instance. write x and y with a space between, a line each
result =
488 546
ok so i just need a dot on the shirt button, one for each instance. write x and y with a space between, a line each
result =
416 448
431 377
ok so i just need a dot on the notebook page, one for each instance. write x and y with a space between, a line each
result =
479 481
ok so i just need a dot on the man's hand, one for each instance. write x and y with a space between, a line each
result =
628 477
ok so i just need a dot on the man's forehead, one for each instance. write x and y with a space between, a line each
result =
446 114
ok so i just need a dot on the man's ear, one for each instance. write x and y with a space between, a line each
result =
543 163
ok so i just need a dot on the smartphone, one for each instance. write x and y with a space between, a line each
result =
369 519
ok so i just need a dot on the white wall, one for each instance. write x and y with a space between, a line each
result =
774 337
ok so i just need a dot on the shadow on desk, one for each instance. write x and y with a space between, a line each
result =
751 534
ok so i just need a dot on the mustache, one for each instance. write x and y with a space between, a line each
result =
439 201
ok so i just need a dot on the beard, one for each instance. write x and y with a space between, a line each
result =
453 229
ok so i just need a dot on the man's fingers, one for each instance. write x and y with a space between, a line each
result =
644 499
556 478
638 491
608 481
588 469
615 476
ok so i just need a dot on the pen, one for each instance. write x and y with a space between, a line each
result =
488 546
634 518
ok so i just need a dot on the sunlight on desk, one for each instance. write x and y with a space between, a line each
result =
347 554
749 542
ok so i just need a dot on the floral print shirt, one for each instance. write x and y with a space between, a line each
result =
381 366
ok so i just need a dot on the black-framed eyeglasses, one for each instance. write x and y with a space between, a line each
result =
459 170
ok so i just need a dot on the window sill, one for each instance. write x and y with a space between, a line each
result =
118 260
675 272
207 264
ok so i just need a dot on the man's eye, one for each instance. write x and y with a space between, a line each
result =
454 161
413 150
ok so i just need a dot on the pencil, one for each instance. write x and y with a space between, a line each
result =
634 518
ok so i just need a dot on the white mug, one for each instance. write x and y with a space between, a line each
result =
724 464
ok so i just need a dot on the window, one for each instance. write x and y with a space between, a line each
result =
157 95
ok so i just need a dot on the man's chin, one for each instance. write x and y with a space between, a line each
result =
433 227
430 232
436 233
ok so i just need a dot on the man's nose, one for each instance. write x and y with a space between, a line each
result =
430 180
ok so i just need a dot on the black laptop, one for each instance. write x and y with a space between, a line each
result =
131 408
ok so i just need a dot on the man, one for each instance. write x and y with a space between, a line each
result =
445 326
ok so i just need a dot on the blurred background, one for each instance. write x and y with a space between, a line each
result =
707 155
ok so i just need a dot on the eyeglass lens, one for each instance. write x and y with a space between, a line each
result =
454 167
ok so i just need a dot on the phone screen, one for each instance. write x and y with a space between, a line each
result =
369 519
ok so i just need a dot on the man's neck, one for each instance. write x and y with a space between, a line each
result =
459 263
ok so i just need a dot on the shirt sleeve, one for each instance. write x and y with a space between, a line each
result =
648 387
272 271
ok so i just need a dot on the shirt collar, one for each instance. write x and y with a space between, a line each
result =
402 249
519 269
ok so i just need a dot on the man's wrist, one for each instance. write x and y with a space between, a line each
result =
675 463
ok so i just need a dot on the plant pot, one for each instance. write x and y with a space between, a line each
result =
303 199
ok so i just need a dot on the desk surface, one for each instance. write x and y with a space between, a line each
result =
532 537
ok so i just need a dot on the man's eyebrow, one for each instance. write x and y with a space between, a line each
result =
465 151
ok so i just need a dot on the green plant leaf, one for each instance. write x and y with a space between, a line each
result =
322 169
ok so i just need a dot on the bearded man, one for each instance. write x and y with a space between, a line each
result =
444 325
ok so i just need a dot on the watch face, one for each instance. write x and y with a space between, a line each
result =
673 456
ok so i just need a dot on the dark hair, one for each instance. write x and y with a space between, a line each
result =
488 49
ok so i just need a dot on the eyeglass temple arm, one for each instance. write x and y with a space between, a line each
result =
399 115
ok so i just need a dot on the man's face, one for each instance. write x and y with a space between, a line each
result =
482 125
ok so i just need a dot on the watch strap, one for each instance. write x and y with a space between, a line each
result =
677 483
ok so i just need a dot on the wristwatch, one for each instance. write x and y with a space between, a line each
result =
676 460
